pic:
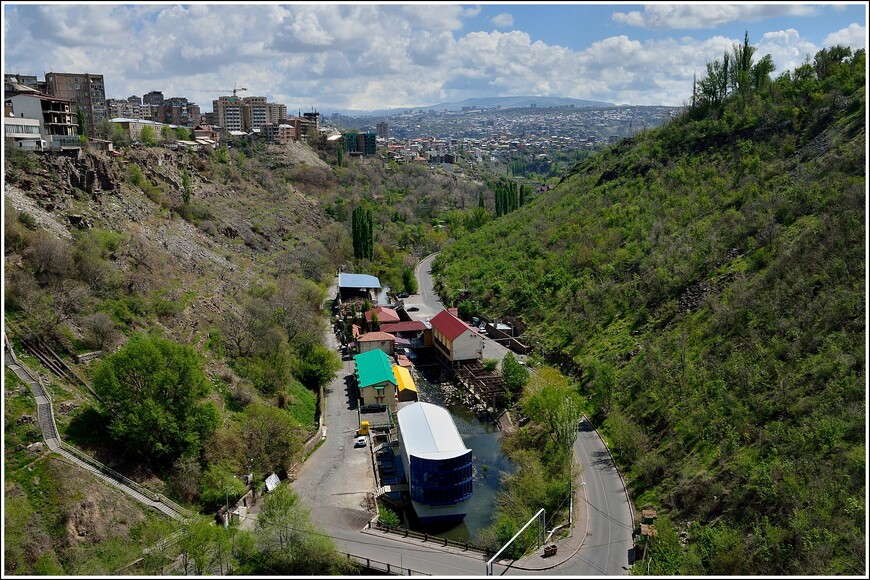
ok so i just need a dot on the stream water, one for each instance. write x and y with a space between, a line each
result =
484 439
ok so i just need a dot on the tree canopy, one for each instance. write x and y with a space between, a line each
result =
151 393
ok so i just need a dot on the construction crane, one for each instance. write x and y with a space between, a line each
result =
233 90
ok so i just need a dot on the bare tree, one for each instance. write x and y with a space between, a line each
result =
100 330
49 256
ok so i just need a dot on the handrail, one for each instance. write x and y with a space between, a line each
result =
427 537
39 390
391 569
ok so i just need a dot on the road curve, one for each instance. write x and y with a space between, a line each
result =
608 549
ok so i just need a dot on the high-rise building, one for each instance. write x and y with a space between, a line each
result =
383 130
277 111
178 111
86 90
153 98
246 114
255 112
228 113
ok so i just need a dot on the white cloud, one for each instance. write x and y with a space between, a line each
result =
503 20
364 56
787 49
854 36
703 16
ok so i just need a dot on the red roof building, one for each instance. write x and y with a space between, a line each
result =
384 315
454 339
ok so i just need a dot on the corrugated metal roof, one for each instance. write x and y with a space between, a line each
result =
448 325
376 337
358 281
428 431
373 367
404 379
404 326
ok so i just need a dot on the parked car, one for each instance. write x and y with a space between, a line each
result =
360 442
402 295
413 309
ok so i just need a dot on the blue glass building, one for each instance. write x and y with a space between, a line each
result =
438 465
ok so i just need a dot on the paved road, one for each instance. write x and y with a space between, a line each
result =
606 550
429 304
333 483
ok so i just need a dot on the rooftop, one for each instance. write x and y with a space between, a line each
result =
428 431
358 281
404 379
384 314
372 368
404 326
376 337
448 325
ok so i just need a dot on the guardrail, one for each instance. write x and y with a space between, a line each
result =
391 569
51 426
439 541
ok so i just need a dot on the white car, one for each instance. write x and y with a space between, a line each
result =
360 442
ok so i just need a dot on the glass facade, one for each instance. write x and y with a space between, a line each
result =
441 481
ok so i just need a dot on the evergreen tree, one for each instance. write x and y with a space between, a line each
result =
362 226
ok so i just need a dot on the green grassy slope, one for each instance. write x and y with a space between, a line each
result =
705 282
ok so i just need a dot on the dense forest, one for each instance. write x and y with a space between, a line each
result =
704 284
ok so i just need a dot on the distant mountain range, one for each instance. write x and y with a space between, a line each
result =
479 103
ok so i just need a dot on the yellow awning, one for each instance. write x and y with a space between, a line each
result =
403 379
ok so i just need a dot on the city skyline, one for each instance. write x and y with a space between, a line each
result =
362 57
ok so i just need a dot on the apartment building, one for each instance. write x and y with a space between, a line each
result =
228 113
255 112
87 91
54 117
277 111
246 114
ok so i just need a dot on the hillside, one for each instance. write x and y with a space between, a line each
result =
219 257
704 282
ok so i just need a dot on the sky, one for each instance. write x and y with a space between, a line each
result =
364 56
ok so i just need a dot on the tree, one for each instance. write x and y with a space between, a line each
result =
80 123
551 401
185 184
100 330
409 280
148 136
316 365
362 227
219 485
514 374
167 135
151 394
290 543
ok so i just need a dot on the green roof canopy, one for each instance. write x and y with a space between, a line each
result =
372 368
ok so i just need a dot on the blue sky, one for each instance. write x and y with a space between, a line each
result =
354 55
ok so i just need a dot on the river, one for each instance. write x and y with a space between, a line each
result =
484 439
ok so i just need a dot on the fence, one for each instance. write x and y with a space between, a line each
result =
45 413
443 542
391 569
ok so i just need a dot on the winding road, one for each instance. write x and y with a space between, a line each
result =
334 480
608 548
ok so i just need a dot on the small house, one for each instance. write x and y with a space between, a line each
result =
375 378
